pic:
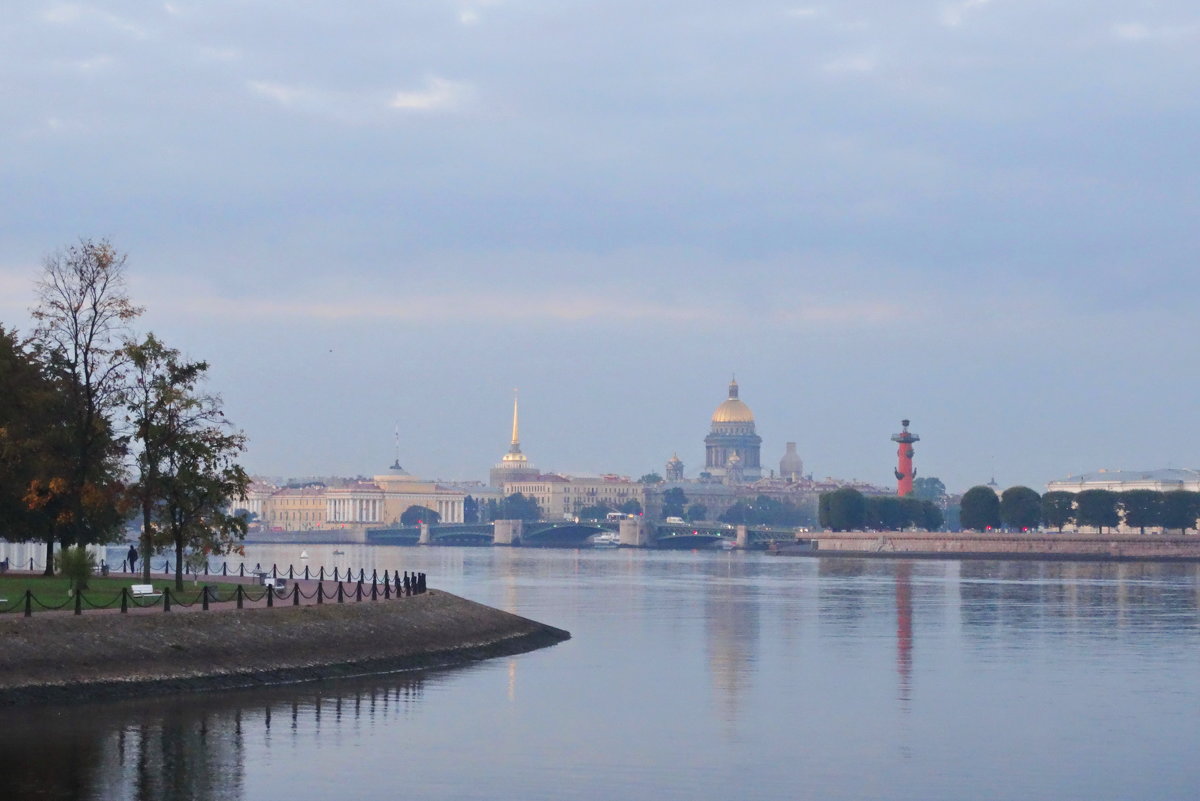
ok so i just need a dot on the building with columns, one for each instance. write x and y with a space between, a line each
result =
562 497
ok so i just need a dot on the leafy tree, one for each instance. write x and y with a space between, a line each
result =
1020 508
980 509
162 406
695 511
1097 508
651 478
843 509
1142 508
674 502
1180 509
415 515
885 512
519 506
929 488
82 311
631 507
595 512
470 510
931 516
1058 509
31 445
200 478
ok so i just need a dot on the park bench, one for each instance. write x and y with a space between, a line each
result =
143 590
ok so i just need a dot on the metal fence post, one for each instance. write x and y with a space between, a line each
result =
306 572
240 593
291 572
358 592
166 599
78 602
274 570
204 598
320 594
270 597
341 593
295 595
124 600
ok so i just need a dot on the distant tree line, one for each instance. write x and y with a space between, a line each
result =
847 509
99 425
1022 509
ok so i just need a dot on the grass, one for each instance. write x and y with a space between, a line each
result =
100 592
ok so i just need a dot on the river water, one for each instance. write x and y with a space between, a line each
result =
697 676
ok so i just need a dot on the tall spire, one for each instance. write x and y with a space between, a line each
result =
516 439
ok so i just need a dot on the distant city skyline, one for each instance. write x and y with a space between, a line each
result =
979 216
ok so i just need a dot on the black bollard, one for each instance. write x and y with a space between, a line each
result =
295 595
362 574
78 602
270 597
320 594
242 570
358 592
322 573
204 597
239 592
407 584
166 599
225 569
374 574
374 591
387 590
274 571
124 600
306 572
28 602
291 572
341 593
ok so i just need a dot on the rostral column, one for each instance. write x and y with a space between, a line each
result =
904 454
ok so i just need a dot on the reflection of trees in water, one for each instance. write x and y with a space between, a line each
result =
1016 594
176 748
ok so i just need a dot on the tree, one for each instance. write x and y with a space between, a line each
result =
843 509
1097 508
595 512
631 507
200 478
31 445
694 512
82 311
651 478
1180 509
162 406
980 509
929 488
1058 509
415 515
519 507
470 510
1142 508
1020 508
885 512
674 502
931 516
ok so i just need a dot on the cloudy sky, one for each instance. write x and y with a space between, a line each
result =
982 215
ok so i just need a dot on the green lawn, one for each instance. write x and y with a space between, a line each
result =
100 592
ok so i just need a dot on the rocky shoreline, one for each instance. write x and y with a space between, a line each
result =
65 659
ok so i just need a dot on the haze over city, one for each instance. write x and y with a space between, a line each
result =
976 215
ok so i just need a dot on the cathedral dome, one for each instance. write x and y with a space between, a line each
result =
732 409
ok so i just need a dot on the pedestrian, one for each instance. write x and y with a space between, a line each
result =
132 558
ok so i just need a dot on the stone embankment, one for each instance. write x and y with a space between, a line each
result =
69 658
1001 546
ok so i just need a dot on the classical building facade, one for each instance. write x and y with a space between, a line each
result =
732 446
563 497
1162 480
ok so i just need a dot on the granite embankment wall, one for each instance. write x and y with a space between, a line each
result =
66 658
1010 546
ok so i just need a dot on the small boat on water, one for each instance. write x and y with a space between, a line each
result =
339 553
608 539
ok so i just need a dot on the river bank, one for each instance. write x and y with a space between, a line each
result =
999 545
69 658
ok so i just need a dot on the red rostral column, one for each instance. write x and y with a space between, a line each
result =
904 468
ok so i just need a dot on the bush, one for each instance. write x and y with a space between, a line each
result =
77 565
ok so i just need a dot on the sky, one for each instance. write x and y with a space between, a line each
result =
980 215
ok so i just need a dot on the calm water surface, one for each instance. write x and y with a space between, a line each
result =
700 676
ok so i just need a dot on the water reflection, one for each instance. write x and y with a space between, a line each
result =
180 748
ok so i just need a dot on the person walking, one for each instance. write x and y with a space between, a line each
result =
132 558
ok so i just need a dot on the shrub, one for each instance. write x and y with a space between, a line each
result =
76 564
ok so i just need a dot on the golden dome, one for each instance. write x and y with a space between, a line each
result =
732 409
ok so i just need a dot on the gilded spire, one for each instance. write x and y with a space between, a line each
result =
516 440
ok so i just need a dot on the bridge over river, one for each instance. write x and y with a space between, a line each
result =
633 533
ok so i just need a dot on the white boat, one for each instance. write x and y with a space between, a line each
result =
608 539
